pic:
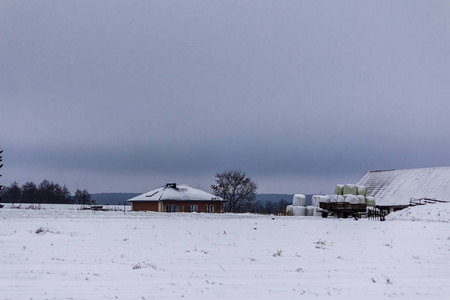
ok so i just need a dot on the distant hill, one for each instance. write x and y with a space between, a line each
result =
277 197
120 198
112 198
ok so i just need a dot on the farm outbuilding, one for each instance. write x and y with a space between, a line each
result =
393 189
177 198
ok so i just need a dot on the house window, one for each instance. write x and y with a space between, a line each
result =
209 208
170 208
193 208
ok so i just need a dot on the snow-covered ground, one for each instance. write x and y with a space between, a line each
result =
439 212
59 252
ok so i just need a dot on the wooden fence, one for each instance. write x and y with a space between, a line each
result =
423 201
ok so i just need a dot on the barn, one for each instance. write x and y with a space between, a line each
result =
177 198
393 189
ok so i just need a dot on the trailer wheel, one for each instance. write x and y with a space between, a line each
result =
324 214
345 215
340 215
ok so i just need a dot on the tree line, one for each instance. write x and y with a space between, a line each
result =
45 192
269 207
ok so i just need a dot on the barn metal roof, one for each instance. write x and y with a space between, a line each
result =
177 192
397 187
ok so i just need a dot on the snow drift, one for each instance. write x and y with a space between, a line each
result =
439 212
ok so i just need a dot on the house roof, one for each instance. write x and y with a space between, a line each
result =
397 187
176 192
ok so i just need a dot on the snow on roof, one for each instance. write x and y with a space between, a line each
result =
177 192
397 187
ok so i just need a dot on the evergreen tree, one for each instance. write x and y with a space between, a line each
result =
82 197
29 193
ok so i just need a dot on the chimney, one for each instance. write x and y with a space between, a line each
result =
171 185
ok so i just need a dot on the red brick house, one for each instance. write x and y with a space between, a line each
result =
177 198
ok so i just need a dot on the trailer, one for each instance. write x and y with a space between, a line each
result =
342 209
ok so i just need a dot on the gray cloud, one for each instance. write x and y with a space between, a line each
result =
298 94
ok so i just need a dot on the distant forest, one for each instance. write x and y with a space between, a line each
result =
45 192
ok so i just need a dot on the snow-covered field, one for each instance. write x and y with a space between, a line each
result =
60 252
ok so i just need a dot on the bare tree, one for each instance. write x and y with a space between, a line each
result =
237 188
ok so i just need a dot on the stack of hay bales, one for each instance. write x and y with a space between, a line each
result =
298 207
350 191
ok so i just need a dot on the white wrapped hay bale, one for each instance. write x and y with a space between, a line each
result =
299 210
339 189
311 211
317 212
325 198
370 201
362 190
290 210
316 199
361 199
299 200
350 189
336 198
352 199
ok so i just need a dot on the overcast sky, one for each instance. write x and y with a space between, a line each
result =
124 96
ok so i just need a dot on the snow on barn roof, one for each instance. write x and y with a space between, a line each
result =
397 187
177 192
